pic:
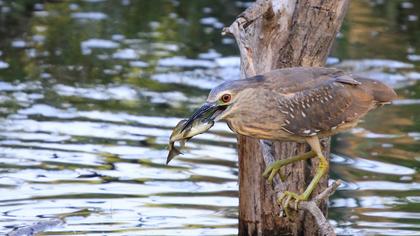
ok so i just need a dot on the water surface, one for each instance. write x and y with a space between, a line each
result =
90 91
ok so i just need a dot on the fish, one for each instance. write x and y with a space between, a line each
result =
175 136
183 134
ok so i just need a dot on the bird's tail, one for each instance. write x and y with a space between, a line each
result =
381 93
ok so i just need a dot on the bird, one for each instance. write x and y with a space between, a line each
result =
299 104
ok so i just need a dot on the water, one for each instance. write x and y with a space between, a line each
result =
90 90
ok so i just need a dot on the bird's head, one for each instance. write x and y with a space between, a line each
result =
228 100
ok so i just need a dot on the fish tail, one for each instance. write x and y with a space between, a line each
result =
172 153
177 152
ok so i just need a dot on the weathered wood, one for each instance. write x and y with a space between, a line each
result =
275 34
324 227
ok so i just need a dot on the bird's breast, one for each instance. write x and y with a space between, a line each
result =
258 128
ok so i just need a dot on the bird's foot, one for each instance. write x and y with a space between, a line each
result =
286 197
273 169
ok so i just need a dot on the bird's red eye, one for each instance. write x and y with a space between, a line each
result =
226 98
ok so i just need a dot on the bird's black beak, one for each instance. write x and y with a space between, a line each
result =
207 112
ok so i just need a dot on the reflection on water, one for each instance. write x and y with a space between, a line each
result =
90 90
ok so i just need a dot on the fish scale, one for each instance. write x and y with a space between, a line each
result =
183 134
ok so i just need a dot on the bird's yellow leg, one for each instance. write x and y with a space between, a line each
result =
321 171
274 168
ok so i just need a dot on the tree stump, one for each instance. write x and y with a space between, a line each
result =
274 34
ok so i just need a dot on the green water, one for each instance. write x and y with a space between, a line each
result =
90 91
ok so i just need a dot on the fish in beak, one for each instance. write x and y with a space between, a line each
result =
183 133
199 122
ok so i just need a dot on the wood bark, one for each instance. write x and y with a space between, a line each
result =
275 34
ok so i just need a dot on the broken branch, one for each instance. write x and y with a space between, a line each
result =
325 228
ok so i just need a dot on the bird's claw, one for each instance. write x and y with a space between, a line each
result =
273 169
286 197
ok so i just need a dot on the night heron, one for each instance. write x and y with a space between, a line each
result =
295 104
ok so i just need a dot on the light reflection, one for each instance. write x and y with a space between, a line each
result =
89 99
